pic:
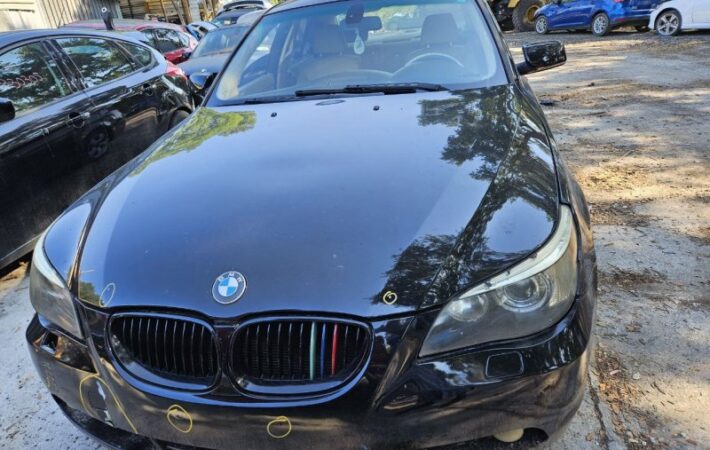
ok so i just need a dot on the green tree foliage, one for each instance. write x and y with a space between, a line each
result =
203 125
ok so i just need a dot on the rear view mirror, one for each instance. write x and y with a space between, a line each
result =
7 110
542 56
201 81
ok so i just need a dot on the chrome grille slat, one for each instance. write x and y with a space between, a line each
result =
176 349
281 351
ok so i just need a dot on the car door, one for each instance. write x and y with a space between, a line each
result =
119 110
700 12
581 12
564 16
42 94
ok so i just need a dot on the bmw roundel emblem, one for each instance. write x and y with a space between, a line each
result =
229 287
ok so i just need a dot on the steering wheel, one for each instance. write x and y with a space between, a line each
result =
433 56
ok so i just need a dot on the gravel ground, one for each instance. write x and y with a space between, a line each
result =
630 114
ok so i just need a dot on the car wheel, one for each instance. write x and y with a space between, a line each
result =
97 143
668 23
524 14
178 117
641 28
541 25
600 25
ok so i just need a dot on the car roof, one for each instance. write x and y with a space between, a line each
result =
239 12
12 37
123 24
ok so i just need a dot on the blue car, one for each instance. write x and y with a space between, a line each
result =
599 16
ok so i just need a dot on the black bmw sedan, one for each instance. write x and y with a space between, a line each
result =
74 107
364 238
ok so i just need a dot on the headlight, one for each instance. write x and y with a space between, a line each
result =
49 294
527 298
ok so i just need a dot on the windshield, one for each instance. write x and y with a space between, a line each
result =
350 44
219 41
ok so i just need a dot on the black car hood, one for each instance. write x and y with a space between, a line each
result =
325 205
209 63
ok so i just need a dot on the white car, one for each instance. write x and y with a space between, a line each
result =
669 18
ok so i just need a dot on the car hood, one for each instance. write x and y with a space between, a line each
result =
210 63
324 205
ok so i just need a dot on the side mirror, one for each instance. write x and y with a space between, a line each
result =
542 56
201 81
7 110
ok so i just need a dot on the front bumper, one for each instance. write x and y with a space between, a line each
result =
400 402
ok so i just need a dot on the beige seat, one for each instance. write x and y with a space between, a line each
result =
329 55
440 35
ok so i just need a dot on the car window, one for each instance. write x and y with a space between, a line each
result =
150 37
167 40
98 60
184 40
333 45
30 78
142 55
220 41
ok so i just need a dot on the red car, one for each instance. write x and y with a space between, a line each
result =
171 40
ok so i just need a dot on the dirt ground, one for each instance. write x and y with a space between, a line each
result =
631 114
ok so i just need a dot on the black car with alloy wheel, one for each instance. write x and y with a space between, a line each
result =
364 237
74 106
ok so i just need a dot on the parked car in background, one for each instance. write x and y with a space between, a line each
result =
672 17
599 16
263 4
214 49
74 106
173 41
199 29
232 15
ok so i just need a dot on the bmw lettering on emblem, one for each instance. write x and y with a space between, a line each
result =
229 287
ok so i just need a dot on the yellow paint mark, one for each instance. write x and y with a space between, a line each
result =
276 421
389 298
107 295
108 388
178 412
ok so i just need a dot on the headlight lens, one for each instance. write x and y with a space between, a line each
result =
525 299
49 294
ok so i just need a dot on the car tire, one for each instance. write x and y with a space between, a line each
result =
600 25
541 25
178 117
524 14
669 23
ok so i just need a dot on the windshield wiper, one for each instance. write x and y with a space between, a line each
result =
387 89
267 99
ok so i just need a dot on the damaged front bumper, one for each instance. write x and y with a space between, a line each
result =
401 401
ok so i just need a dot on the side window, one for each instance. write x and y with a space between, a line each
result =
167 40
98 60
184 40
150 36
141 54
30 78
